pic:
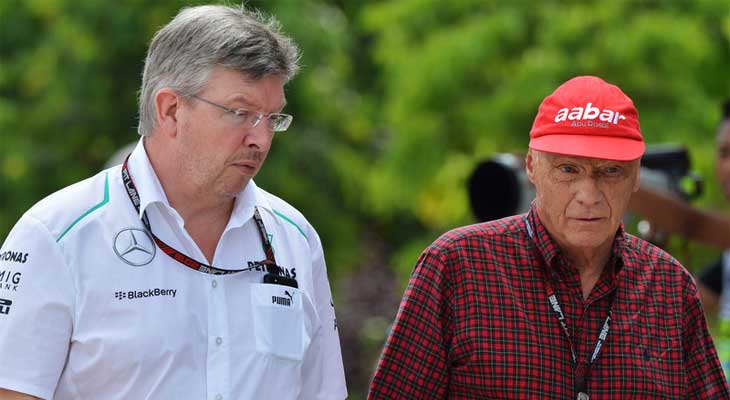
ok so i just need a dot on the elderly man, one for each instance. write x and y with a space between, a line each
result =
560 303
173 276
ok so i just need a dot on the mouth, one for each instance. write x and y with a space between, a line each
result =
589 220
245 167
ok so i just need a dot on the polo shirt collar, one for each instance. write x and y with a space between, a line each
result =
145 179
249 198
550 251
150 190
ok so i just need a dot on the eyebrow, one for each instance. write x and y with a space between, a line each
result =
560 158
566 157
241 98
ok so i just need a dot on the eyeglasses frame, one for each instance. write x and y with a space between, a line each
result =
259 116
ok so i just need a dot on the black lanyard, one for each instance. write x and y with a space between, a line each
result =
582 371
269 262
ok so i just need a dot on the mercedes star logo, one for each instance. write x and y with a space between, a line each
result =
134 246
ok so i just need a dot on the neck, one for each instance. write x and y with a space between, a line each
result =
204 212
590 265
589 261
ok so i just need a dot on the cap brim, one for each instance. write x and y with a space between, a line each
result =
591 146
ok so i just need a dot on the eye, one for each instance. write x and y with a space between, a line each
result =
274 120
242 114
279 122
613 170
567 169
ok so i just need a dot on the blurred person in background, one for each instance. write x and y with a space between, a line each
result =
173 276
560 303
715 278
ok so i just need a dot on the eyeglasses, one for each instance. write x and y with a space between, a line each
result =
276 122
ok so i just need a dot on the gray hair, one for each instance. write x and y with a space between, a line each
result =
185 51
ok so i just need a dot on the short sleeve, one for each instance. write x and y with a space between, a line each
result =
323 372
36 317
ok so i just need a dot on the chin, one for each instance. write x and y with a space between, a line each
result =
234 189
587 240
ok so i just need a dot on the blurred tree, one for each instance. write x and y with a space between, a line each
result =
68 82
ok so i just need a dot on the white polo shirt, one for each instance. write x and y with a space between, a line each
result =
90 308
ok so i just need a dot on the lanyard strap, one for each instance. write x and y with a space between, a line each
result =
558 311
590 358
582 371
269 262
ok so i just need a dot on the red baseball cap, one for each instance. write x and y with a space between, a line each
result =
587 117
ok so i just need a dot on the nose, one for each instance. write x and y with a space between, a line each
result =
587 192
257 137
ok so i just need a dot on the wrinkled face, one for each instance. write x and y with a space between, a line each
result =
218 151
723 158
581 200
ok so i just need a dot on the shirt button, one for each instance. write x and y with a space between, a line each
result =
219 397
214 284
218 340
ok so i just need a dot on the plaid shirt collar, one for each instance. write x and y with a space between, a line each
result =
553 255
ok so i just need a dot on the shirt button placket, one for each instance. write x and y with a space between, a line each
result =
218 357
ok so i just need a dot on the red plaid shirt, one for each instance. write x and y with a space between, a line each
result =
475 323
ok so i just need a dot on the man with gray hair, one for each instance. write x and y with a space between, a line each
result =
173 276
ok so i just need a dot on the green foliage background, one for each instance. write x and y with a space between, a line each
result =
396 103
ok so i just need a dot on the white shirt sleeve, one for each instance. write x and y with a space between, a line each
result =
323 374
37 318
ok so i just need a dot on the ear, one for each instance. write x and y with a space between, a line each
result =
637 183
530 161
167 103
